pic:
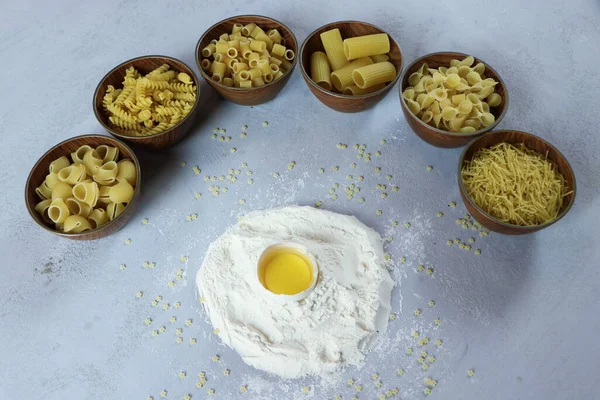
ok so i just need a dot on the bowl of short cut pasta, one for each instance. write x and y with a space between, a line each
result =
150 101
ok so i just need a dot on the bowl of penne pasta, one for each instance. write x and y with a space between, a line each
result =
247 59
450 98
350 65
149 101
84 188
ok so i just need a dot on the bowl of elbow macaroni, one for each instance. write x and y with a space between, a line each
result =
350 65
84 188
150 101
247 59
450 98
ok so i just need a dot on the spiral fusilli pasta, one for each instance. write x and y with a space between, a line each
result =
151 103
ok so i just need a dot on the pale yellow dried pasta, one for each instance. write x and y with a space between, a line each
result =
72 174
244 50
61 191
348 55
42 209
365 46
133 110
58 211
78 207
334 48
320 72
515 184
98 217
374 74
459 96
107 173
73 202
76 224
342 77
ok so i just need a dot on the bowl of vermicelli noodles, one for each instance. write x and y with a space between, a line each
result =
513 182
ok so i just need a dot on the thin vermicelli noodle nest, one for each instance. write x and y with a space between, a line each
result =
515 184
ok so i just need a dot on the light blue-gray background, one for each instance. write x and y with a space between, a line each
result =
523 315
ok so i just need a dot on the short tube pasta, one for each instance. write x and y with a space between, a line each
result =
368 45
264 67
258 45
343 76
278 50
258 81
257 51
289 55
248 29
379 57
245 48
221 47
209 50
320 72
237 28
374 74
274 35
354 90
205 64
334 48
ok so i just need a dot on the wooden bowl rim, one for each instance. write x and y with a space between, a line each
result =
142 138
463 189
454 134
266 85
308 79
136 192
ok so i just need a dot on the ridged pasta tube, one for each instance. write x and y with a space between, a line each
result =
343 76
334 48
367 45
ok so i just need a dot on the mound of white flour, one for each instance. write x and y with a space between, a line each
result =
334 326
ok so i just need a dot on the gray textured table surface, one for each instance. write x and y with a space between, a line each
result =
523 314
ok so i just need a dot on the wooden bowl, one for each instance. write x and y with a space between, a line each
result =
40 170
439 137
254 95
144 65
342 102
532 142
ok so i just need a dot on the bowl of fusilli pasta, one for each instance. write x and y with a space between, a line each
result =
149 100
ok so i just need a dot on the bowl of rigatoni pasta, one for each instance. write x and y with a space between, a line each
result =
149 101
84 188
350 65
247 59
